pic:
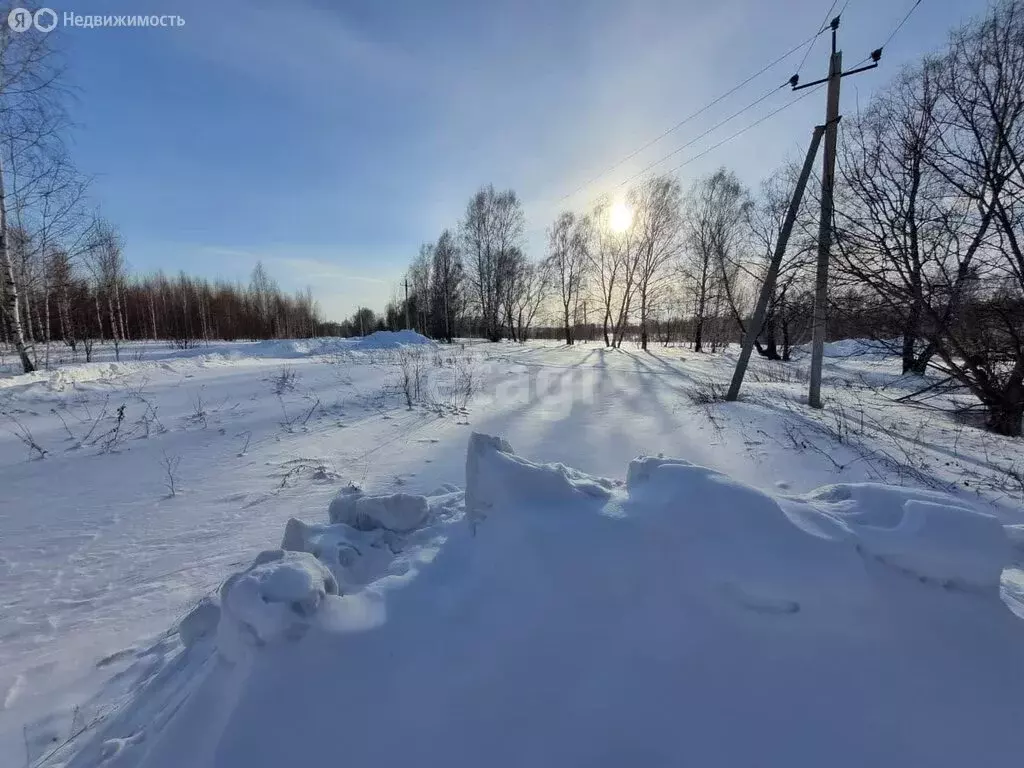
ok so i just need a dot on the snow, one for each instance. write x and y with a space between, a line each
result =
275 598
857 348
200 622
648 621
395 512
390 340
886 534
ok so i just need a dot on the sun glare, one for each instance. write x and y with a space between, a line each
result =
620 217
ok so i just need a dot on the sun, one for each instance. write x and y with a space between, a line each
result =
620 217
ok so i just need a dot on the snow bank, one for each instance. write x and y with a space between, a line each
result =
952 545
582 621
389 340
925 533
287 348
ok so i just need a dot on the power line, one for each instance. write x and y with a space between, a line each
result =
821 28
690 117
710 130
743 130
877 53
902 22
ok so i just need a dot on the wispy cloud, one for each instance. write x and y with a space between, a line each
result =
310 268
299 48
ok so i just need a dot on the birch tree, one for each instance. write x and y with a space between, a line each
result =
656 242
568 240
31 116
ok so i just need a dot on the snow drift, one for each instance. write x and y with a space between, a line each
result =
389 340
552 618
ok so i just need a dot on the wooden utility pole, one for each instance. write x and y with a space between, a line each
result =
754 327
828 171
835 76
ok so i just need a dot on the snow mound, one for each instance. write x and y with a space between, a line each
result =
200 622
389 340
274 599
354 557
639 623
925 533
394 512
949 544
494 473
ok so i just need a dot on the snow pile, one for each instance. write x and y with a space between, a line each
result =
495 475
389 340
395 512
276 598
572 620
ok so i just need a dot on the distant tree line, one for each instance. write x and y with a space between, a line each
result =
95 300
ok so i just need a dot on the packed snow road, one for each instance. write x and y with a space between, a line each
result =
98 557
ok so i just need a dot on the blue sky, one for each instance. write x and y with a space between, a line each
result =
331 139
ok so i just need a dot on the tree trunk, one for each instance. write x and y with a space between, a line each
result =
909 341
25 294
114 327
120 309
13 309
698 335
1006 418
46 324
920 364
99 315
1006 415
643 323
770 350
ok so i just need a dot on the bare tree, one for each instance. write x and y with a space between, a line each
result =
715 210
605 253
976 315
492 227
419 278
893 207
446 299
932 208
512 266
536 287
567 259
764 221
31 118
106 262
656 244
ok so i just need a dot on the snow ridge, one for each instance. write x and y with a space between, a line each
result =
550 617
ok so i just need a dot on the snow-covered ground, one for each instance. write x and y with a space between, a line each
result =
683 615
